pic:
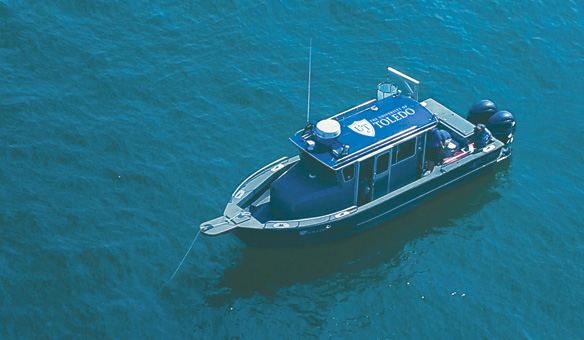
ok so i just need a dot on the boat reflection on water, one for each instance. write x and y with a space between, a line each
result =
266 270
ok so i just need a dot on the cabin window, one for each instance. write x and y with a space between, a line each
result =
404 150
349 172
382 163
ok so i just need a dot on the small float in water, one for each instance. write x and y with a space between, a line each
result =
365 166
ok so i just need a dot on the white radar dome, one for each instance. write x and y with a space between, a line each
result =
327 129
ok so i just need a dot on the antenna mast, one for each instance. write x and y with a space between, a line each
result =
309 72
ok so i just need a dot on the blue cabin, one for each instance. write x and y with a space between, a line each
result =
354 157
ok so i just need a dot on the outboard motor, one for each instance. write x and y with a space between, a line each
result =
481 111
502 126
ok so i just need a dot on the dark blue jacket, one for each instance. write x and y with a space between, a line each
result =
482 138
437 137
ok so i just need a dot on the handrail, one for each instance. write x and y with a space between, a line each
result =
407 80
351 209
252 176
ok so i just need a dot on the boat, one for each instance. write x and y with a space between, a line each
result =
365 166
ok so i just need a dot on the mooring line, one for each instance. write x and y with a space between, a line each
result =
181 262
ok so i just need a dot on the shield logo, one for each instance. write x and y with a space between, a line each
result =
363 127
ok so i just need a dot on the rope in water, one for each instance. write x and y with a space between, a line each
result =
183 260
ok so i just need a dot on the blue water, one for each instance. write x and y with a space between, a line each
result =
124 124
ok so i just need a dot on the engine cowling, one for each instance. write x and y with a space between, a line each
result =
502 126
481 111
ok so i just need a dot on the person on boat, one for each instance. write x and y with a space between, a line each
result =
438 141
482 136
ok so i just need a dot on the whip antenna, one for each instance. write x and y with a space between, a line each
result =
309 72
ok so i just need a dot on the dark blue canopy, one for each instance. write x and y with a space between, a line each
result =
369 128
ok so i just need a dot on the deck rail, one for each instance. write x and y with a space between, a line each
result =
410 83
255 174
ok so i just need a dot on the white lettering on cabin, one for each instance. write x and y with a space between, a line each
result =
393 116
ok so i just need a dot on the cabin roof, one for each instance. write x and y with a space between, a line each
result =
368 128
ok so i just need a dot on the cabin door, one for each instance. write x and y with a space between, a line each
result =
366 181
403 164
374 177
381 175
